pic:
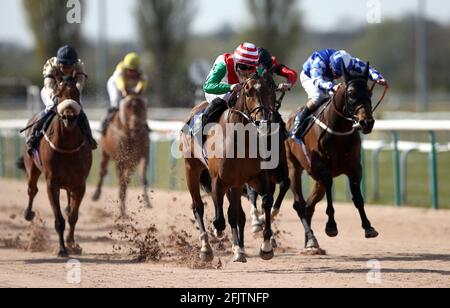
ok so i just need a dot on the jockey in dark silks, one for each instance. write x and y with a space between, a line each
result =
271 64
65 64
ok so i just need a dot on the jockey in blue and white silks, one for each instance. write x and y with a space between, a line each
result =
319 74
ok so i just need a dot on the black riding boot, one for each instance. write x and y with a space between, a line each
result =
35 136
213 111
278 119
85 127
299 127
109 117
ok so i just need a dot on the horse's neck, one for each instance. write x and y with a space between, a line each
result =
334 119
63 137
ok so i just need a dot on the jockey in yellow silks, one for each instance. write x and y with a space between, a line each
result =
128 79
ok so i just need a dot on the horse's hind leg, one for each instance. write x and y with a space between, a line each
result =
124 178
75 202
103 172
355 187
285 183
193 174
33 177
236 217
60 224
143 174
257 223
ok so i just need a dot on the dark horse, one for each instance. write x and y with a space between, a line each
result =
127 143
332 147
278 176
65 158
229 175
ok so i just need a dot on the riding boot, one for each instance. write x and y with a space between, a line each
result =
109 117
299 126
278 119
213 111
35 137
85 127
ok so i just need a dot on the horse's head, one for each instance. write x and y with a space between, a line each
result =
67 89
68 112
133 113
358 100
258 98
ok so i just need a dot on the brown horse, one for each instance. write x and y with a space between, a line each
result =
229 174
65 159
127 143
332 147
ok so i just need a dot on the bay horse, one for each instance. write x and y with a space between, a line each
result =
332 147
278 176
65 158
127 143
228 175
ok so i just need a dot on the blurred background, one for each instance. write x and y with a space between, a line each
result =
407 41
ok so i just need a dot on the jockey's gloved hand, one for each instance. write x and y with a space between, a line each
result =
382 82
236 88
284 87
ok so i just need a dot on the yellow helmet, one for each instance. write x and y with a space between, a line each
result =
132 61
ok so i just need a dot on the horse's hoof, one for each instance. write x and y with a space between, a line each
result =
266 256
75 249
206 256
96 196
274 243
29 215
239 258
314 251
312 244
63 254
257 228
331 231
371 233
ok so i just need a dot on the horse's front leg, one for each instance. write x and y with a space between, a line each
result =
236 219
257 223
53 192
266 251
75 203
331 228
355 187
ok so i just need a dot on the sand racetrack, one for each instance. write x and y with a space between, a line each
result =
413 249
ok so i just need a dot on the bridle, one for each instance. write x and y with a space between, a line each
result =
251 114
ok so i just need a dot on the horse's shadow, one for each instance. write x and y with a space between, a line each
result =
96 259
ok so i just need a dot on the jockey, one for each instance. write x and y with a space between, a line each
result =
226 78
318 76
128 79
271 64
65 64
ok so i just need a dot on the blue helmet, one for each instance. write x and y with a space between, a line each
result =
67 56
338 59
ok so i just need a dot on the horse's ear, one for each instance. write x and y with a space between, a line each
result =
345 72
367 71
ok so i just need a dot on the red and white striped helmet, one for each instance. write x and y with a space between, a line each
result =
246 53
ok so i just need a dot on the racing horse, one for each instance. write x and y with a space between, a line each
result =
65 158
127 143
228 175
332 147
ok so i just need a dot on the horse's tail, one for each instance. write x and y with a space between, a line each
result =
205 181
20 163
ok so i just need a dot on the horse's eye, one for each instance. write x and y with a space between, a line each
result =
351 94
